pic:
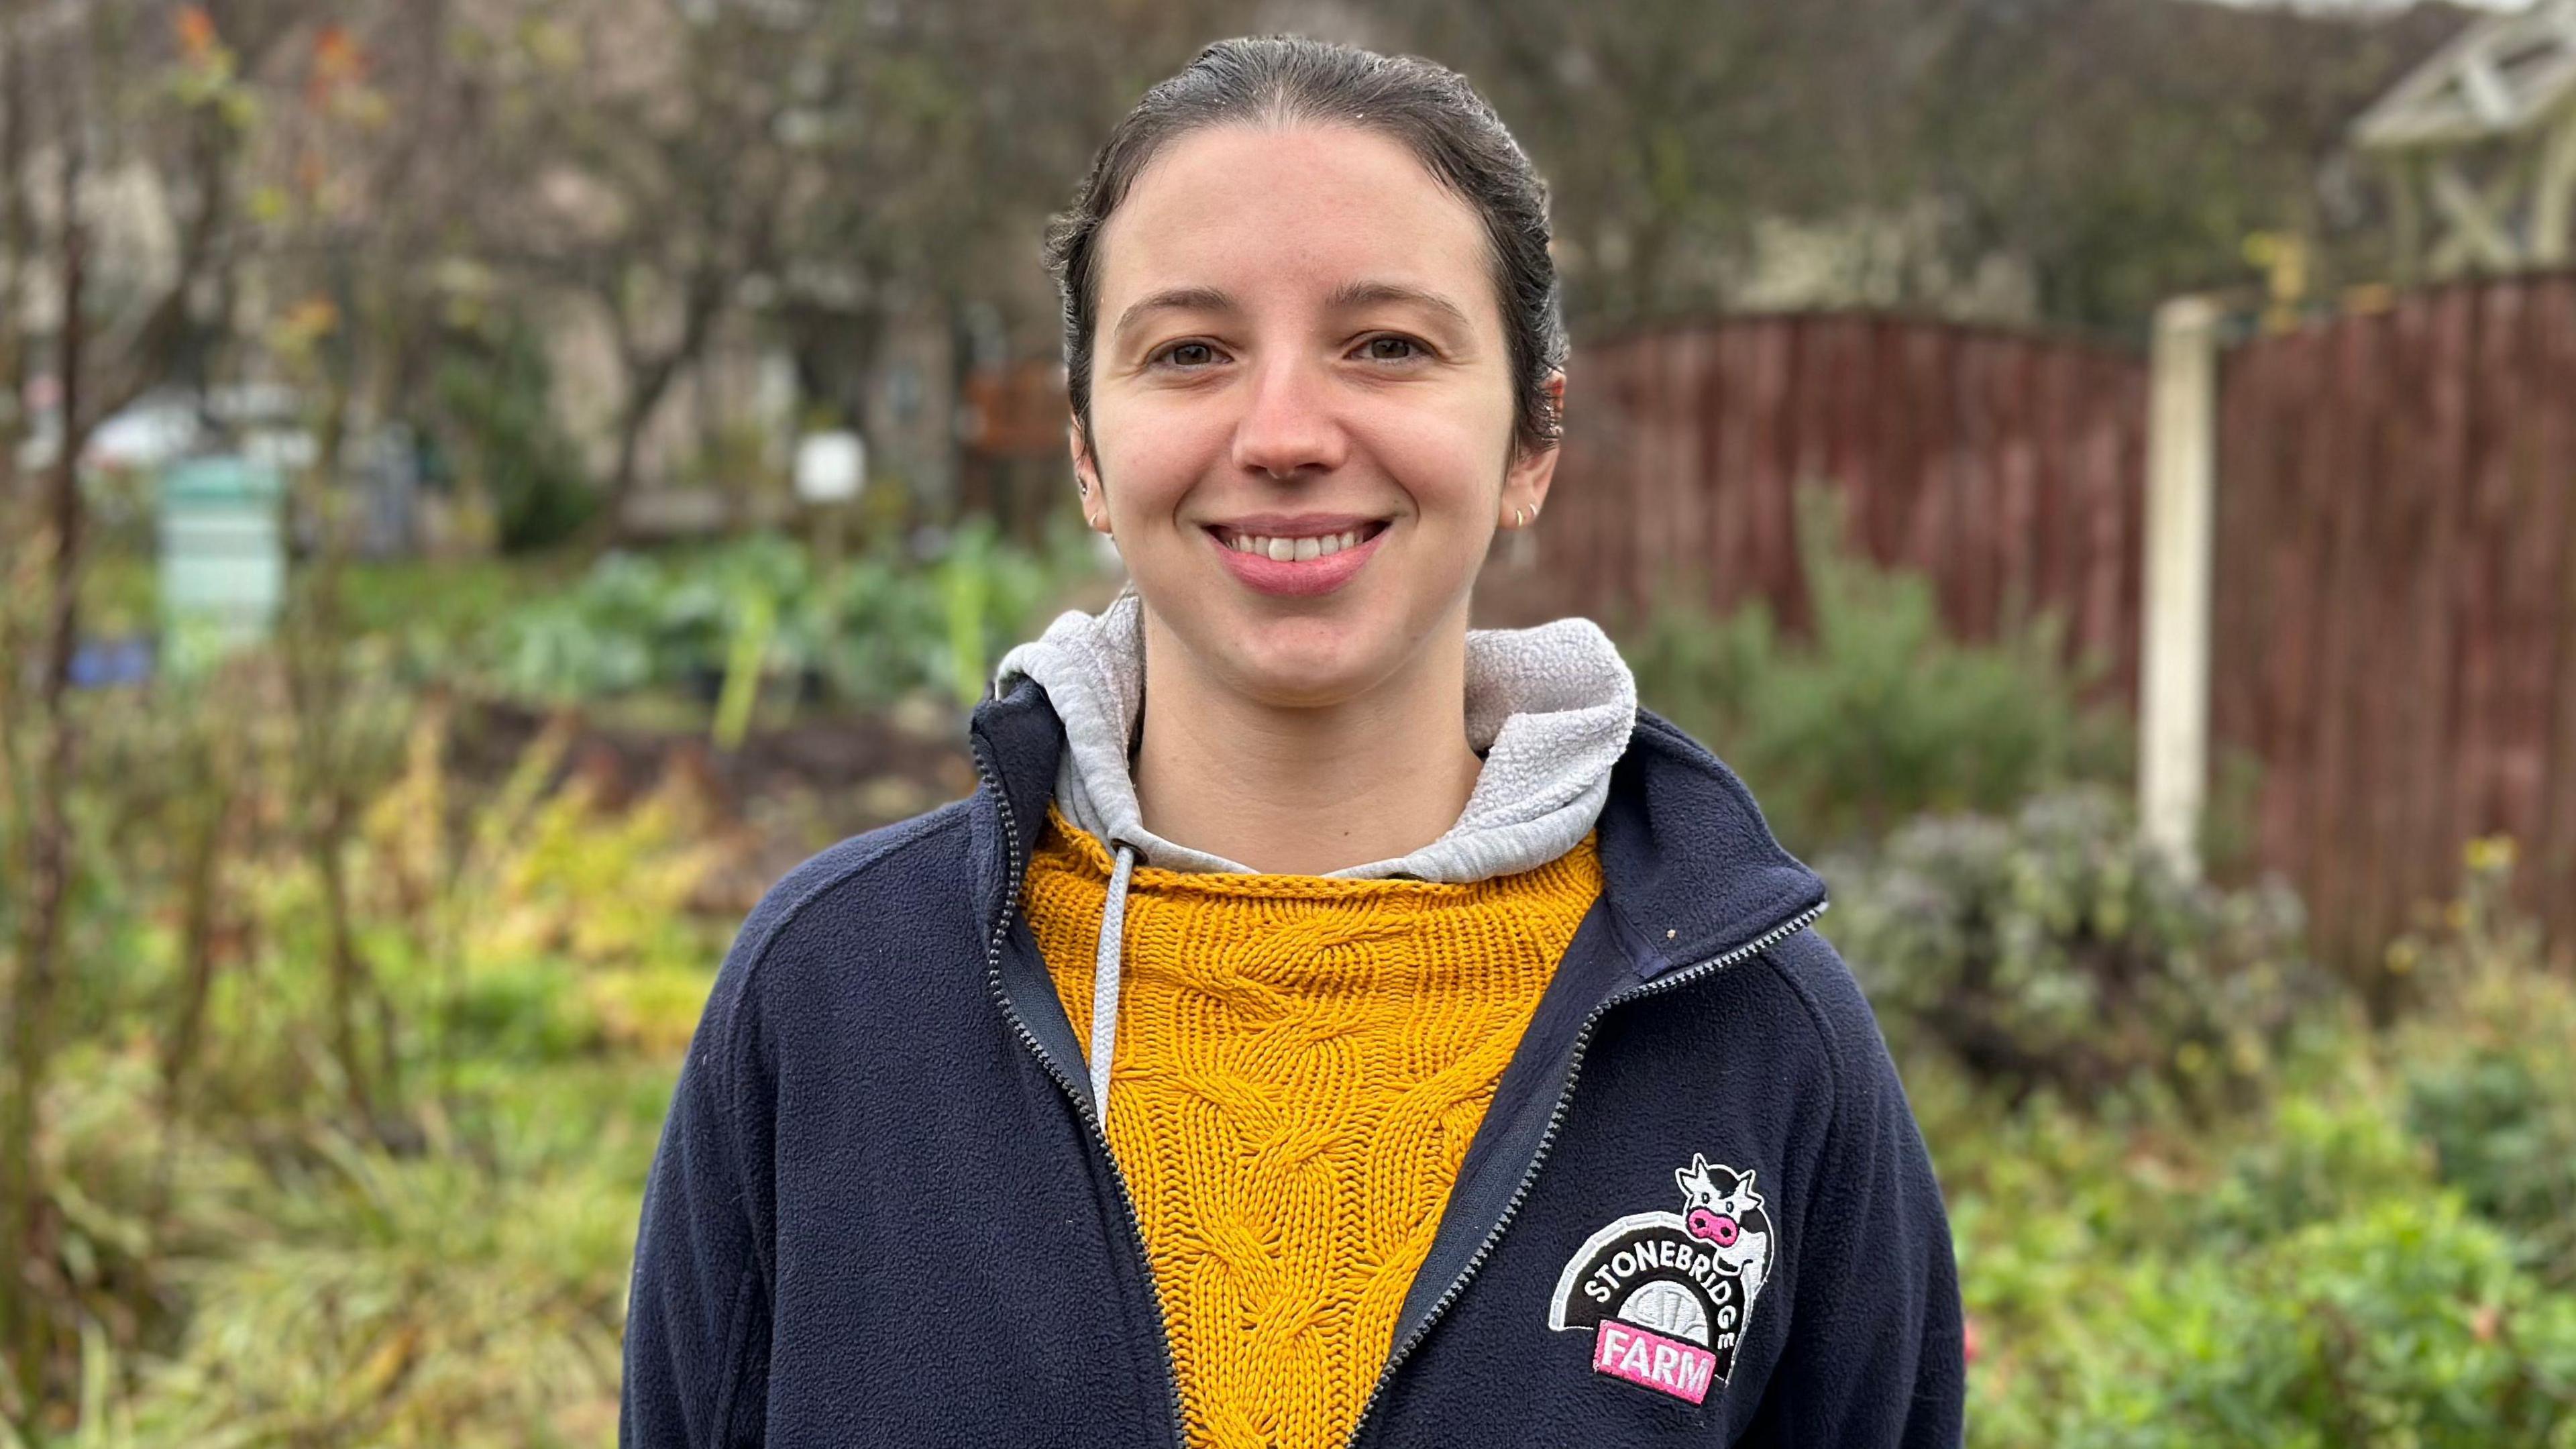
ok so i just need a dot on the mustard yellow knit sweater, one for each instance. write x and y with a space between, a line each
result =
1301 1063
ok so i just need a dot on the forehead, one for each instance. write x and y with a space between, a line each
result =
1292 213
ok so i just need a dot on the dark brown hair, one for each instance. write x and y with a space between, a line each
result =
1285 79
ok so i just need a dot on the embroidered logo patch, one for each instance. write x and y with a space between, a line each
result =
1666 1296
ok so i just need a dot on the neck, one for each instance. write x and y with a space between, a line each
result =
1304 789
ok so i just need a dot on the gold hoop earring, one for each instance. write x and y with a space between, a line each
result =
1520 518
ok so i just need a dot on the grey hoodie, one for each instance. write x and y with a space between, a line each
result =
1549 707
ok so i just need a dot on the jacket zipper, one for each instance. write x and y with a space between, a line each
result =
1081 1100
1547 1139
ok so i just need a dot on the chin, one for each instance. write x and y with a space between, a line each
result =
1305 663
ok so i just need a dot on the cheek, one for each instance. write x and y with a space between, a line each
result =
1149 456
1448 452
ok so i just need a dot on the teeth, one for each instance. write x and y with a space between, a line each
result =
1287 550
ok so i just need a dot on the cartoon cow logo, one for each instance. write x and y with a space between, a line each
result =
1666 1296
1722 1203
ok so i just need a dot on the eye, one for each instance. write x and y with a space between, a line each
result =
1187 356
1393 347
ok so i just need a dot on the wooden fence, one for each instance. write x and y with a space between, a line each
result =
2008 468
2394 611
2395 599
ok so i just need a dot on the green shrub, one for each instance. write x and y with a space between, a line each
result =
494 417
880 626
2296 1276
2501 1115
2054 949
1878 714
236 1256
2375 1256
2490 1064
2404 1324
2335 1149
522 1010
463 1297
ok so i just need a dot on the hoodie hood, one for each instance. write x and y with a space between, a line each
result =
1549 707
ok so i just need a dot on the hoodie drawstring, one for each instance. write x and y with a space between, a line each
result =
1104 982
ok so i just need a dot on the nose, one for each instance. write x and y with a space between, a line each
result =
1288 425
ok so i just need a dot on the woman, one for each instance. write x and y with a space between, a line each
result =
1373 1031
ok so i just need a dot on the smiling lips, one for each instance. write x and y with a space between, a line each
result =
1296 557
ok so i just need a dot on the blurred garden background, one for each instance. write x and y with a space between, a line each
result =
486 486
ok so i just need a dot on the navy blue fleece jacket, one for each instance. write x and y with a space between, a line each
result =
1698 1211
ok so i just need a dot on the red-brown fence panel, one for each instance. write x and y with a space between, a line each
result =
2395 611
2008 468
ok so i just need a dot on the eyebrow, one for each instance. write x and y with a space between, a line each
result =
1174 299
1344 297
1366 294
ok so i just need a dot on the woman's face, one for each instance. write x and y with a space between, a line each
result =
1302 406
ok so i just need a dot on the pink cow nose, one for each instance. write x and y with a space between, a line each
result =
1718 1228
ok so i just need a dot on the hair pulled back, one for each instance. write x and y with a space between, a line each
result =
1283 80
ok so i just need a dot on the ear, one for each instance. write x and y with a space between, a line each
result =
1086 472
1526 481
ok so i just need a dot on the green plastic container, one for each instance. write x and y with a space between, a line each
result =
223 556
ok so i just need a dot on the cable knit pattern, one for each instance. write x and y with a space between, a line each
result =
1301 1062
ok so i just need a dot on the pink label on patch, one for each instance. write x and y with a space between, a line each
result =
1650 1360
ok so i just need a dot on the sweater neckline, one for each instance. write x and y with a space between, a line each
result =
1549 708
1098 863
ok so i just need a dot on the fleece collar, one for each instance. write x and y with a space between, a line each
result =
1550 708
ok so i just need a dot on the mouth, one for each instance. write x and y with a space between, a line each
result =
1297 556
1293 544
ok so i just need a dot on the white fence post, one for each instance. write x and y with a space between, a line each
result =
2182 465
